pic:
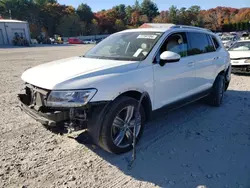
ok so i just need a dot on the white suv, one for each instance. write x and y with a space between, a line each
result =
172 65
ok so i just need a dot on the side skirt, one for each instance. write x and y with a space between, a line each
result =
183 102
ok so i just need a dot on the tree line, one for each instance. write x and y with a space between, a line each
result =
53 18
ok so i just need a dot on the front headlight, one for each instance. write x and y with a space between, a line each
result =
247 61
71 98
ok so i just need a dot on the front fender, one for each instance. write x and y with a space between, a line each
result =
140 80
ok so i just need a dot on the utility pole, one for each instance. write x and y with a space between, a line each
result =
10 13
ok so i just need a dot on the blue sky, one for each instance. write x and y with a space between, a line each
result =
97 5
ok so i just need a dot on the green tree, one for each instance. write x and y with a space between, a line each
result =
69 25
234 27
2 7
119 25
150 9
20 9
173 14
85 13
237 26
200 20
183 16
193 15
44 2
129 11
137 6
195 9
245 25
51 15
94 27
121 11
230 27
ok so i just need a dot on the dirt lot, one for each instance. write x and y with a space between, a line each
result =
195 145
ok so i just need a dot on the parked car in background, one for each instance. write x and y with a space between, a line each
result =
166 66
98 40
229 40
89 42
219 34
240 56
233 33
245 36
75 41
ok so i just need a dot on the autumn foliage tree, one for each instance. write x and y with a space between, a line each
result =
55 18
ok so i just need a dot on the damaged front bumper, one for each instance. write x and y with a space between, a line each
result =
33 103
45 116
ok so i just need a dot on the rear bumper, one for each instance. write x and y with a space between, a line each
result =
48 118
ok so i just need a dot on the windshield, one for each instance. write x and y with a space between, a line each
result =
133 46
225 38
240 46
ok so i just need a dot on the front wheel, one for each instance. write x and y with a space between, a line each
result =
118 125
227 85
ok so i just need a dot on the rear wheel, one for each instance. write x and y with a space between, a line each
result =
216 96
118 125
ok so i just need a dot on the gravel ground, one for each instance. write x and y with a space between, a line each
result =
192 146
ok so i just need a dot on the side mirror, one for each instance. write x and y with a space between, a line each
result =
169 57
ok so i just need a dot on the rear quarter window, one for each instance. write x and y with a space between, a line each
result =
216 43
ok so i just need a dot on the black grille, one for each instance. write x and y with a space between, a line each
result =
37 96
240 58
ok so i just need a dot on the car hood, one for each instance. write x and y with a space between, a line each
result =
50 75
239 54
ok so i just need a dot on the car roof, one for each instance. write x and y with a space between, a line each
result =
155 27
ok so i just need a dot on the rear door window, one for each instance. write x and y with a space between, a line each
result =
199 43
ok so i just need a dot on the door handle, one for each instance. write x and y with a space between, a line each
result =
190 64
216 58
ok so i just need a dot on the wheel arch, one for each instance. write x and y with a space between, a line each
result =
222 73
146 102
94 124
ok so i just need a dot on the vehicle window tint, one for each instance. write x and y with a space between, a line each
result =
210 47
199 43
216 44
176 43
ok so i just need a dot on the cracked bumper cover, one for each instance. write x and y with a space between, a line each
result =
54 117
49 118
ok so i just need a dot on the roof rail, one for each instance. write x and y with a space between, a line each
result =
190 27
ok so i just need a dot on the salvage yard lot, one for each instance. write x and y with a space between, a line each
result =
194 145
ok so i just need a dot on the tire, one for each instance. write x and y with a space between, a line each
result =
108 139
227 85
216 96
